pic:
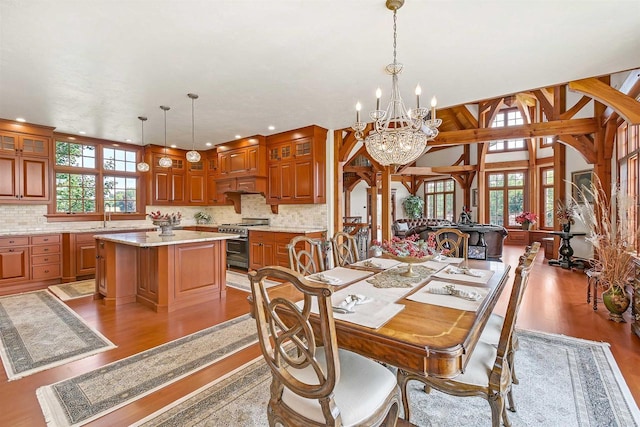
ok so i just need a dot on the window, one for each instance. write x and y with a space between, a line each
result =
548 199
93 178
507 117
628 145
439 199
505 197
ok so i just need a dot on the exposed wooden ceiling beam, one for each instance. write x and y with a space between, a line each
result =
624 105
576 107
532 130
437 170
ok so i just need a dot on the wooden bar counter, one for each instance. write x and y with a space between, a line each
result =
165 273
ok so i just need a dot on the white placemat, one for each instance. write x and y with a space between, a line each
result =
434 264
383 263
449 274
424 296
339 276
448 260
372 314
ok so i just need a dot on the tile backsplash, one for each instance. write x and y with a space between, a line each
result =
15 218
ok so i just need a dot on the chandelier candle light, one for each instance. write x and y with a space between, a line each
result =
399 135
193 156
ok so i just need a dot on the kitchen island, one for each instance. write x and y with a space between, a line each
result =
165 273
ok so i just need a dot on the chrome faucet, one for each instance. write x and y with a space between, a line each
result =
106 216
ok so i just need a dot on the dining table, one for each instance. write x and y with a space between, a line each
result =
413 327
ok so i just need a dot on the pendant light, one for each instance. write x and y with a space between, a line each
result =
165 161
142 166
193 156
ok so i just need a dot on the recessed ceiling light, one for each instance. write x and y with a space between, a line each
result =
208 144
127 140
82 132
71 138
238 137
272 127
21 120
173 146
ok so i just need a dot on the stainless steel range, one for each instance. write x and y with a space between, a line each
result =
238 249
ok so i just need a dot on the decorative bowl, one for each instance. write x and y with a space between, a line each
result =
409 260
166 226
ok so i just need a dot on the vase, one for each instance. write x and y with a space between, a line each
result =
526 225
617 302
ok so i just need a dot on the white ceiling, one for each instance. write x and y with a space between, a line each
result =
95 66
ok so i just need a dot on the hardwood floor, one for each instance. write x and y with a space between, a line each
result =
555 301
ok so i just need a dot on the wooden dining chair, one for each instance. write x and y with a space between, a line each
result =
306 255
454 240
315 383
492 329
345 249
487 372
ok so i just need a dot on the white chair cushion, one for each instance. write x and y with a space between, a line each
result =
492 330
363 387
479 366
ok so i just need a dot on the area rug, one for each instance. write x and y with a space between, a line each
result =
563 382
241 281
83 398
73 290
39 332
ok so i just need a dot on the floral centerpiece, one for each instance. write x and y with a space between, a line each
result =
166 222
202 217
565 214
526 219
613 242
410 250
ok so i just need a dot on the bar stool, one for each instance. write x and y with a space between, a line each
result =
593 280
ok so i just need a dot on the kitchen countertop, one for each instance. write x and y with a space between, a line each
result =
288 229
78 230
152 238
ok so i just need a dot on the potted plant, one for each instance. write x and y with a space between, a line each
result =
202 217
527 219
413 206
612 240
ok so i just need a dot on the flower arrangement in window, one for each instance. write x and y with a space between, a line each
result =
527 218
411 246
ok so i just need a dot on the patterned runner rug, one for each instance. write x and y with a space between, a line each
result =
38 332
83 398
563 382
73 290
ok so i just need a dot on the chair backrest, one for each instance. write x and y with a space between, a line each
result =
500 374
305 255
454 240
344 248
290 345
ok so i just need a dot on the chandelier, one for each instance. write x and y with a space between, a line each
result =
142 166
399 136
193 156
165 161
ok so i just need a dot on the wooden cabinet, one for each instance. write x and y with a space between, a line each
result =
29 262
297 166
244 157
270 248
196 183
169 183
24 168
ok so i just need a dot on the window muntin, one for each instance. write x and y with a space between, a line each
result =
92 178
548 198
507 117
505 198
439 199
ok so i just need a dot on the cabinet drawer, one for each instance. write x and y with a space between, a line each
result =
14 241
43 240
85 237
45 249
45 259
48 271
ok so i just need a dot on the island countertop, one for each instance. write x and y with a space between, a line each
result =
152 238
